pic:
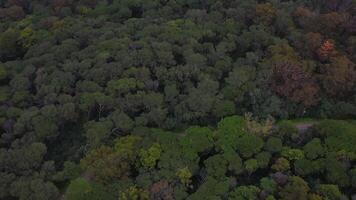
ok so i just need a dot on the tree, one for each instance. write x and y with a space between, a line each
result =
245 193
248 145
329 191
326 50
123 86
251 165
239 82
78 189
289 80
265 13
273 145
106 165
184 176
229 130
296 189
339 76
313 149
127 146
216 166
305 167
33 188
161 190
134 193
211 189
3 73
292 154
305 17
281 165
197 140
263 159
9 44
259 127
223 108
98 132
287 130
122 121
268 185
44 128
235 164
150 156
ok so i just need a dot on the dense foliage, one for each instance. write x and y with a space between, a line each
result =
139 99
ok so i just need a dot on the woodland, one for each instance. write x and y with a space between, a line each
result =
177 99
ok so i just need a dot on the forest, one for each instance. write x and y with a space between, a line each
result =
177 99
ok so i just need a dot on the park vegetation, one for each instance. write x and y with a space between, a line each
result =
177 99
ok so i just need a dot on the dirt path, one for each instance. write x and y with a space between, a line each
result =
303 127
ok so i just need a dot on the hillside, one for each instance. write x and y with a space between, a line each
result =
177 99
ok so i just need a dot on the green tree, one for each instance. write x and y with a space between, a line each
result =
273 145
229 130
248 145
281 164
329 191
197 140
9 44
184 176
78 189
296 189
134 193
216 166
251 165
268 185
98 132
244 193
313 149
150 156
122 121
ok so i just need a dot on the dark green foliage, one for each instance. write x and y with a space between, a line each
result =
268 185
304 167
9 44
134 99
273 145
78 189
287 130
296 189
263 159
249 145
229 130
197 140
341 135
211 189
216 166
329 191
244 193
313 149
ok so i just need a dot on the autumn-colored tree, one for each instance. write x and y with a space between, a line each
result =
289 80
339 5
265 13
14 13
350 25
22 3
304 17
312 42
331 22
162 190
326 50
58 4
105 164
